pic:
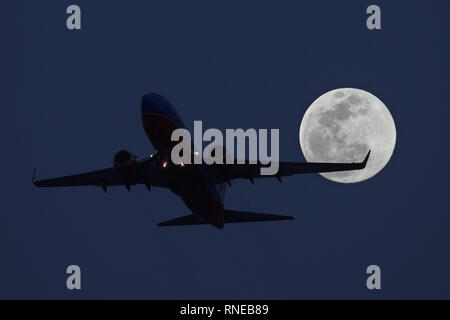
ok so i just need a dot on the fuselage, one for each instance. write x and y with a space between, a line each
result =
160 119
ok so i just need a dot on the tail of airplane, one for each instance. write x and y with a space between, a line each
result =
230 216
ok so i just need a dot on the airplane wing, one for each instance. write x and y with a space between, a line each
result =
252 171
146 172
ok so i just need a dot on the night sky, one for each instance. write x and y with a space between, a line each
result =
71 99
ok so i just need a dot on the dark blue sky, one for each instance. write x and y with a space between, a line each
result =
70 100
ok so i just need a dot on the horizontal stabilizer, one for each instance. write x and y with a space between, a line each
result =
182 221
231 216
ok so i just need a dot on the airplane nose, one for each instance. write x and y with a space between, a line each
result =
151 103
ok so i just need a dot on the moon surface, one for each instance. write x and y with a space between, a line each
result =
342 126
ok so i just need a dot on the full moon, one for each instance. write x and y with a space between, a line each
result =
342 126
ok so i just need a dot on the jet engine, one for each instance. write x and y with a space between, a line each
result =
124 160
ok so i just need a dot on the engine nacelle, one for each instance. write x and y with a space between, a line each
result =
124 161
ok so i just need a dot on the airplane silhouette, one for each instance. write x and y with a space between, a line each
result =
200 186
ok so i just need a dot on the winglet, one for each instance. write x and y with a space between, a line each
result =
34 180
363 164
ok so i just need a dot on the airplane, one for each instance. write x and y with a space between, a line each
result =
200 186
